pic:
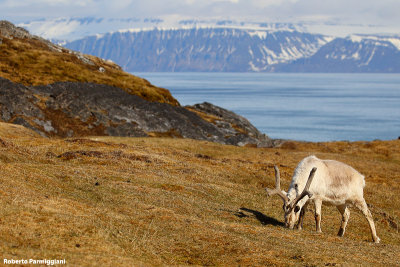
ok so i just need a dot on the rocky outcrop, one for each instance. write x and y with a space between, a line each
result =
67 109
9 30
235 128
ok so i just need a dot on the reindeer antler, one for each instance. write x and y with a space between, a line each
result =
305 190
277 190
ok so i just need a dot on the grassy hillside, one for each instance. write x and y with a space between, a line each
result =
31 61
154 201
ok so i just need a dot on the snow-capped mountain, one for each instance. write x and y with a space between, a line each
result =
198 49
186 44
356 53
242 50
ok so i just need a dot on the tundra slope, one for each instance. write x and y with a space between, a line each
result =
163 201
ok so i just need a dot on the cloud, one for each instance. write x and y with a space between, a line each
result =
56 29
346 11
28 3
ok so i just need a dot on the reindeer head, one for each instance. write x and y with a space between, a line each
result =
291 208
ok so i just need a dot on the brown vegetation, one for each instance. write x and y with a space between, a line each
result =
158 201
31 61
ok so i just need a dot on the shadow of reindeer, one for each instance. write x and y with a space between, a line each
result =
262 218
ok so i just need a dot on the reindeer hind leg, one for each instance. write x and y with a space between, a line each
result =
362 206
344 210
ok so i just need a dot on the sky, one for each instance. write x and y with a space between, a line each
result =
383 13
345 11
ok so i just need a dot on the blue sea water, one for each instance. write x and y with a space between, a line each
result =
309 107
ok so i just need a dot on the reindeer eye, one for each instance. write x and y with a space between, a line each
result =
296 209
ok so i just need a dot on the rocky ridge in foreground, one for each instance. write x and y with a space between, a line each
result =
66 109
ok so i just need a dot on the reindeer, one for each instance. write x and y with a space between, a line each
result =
335 183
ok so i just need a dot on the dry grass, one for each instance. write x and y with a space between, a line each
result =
158 201
32 62
8 130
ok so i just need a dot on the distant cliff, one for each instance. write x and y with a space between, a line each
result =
242 50
210 49
351 54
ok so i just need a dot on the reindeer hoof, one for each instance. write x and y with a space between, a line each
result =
377 240
341 232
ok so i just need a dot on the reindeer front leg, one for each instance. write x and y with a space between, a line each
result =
299 225
318 204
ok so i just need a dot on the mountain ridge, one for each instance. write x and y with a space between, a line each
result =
225 49
353 54
200 49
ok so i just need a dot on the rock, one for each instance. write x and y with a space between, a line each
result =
67 109
237 129
9 30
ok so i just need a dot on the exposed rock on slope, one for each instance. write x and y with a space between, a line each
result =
76 109
8 30
235 128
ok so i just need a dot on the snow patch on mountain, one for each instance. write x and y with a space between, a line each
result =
355 53
379 40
